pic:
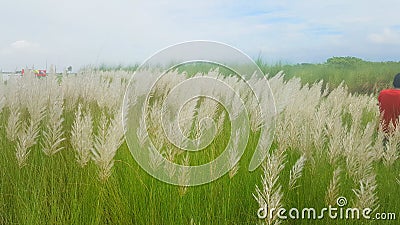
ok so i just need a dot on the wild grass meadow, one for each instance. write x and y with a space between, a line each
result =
64 159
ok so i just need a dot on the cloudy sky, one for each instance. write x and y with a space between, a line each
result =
125 32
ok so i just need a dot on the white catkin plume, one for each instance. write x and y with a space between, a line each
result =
280 134
198 132
318 127
358 151
207 109
81 136
332 193
270 194
206 113
358 167
391 153
181 140
36 109
116 92
71 86
366 194
186 115
141 132
236 105
379 148
390 156
53 135
220 123
155 159
284 92
296 172
154 124
14 122
170 169
234 155
101 95
184 176
130 101
31 97
336 134
256 117
294 125
106 144
2 101
202 126
25 140
287 128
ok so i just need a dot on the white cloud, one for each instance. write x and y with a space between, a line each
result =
21 47
388 36
23 44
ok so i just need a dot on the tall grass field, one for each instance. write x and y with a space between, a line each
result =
64 158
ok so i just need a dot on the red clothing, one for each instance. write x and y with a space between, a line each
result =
389 106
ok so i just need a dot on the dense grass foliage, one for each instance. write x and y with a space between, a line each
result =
327 144
360 76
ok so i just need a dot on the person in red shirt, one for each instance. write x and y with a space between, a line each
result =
389 107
